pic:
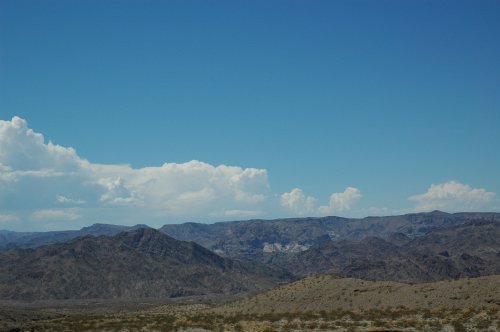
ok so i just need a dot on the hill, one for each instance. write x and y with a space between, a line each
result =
143 263
327 293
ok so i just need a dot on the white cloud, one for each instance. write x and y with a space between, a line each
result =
236 213
66 200
452 196
40 177
116 191
297 202
21 149
341 202
8 218
56 214
44 182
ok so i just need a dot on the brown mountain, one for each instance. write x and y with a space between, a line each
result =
144 263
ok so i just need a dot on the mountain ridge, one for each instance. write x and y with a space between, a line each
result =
248 240
142 263
471 249
17 240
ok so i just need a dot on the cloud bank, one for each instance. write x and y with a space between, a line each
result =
51 182
43 184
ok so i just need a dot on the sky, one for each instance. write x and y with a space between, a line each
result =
156 112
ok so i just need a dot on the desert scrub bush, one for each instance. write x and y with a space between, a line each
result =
426 314
234 318
402 324
323 314
287 327
458 326
380 323
308 315
374 314
467 314
435 324
312 325
410 321
271 317
483 323
323 325
351 315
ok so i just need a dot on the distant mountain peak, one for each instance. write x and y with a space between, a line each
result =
137 226
438 212
101 226
143 232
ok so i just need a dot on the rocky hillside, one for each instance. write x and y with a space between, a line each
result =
144 263
326 293
263 240
467 250
13 240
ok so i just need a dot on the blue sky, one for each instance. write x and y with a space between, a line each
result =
358 105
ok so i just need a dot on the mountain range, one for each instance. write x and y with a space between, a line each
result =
241 257
142 263
471 249
260 239
264 240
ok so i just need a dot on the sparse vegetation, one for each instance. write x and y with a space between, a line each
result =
189 317
319 304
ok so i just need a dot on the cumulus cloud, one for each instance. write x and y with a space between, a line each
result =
21 149
340 202
116 191
44 182
297 202
40 176
452 196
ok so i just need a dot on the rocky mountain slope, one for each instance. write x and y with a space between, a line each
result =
467 250
143 263
263 240
12 240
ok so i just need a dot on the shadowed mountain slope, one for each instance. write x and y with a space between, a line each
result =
263 240
13 240
467 250
144 263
